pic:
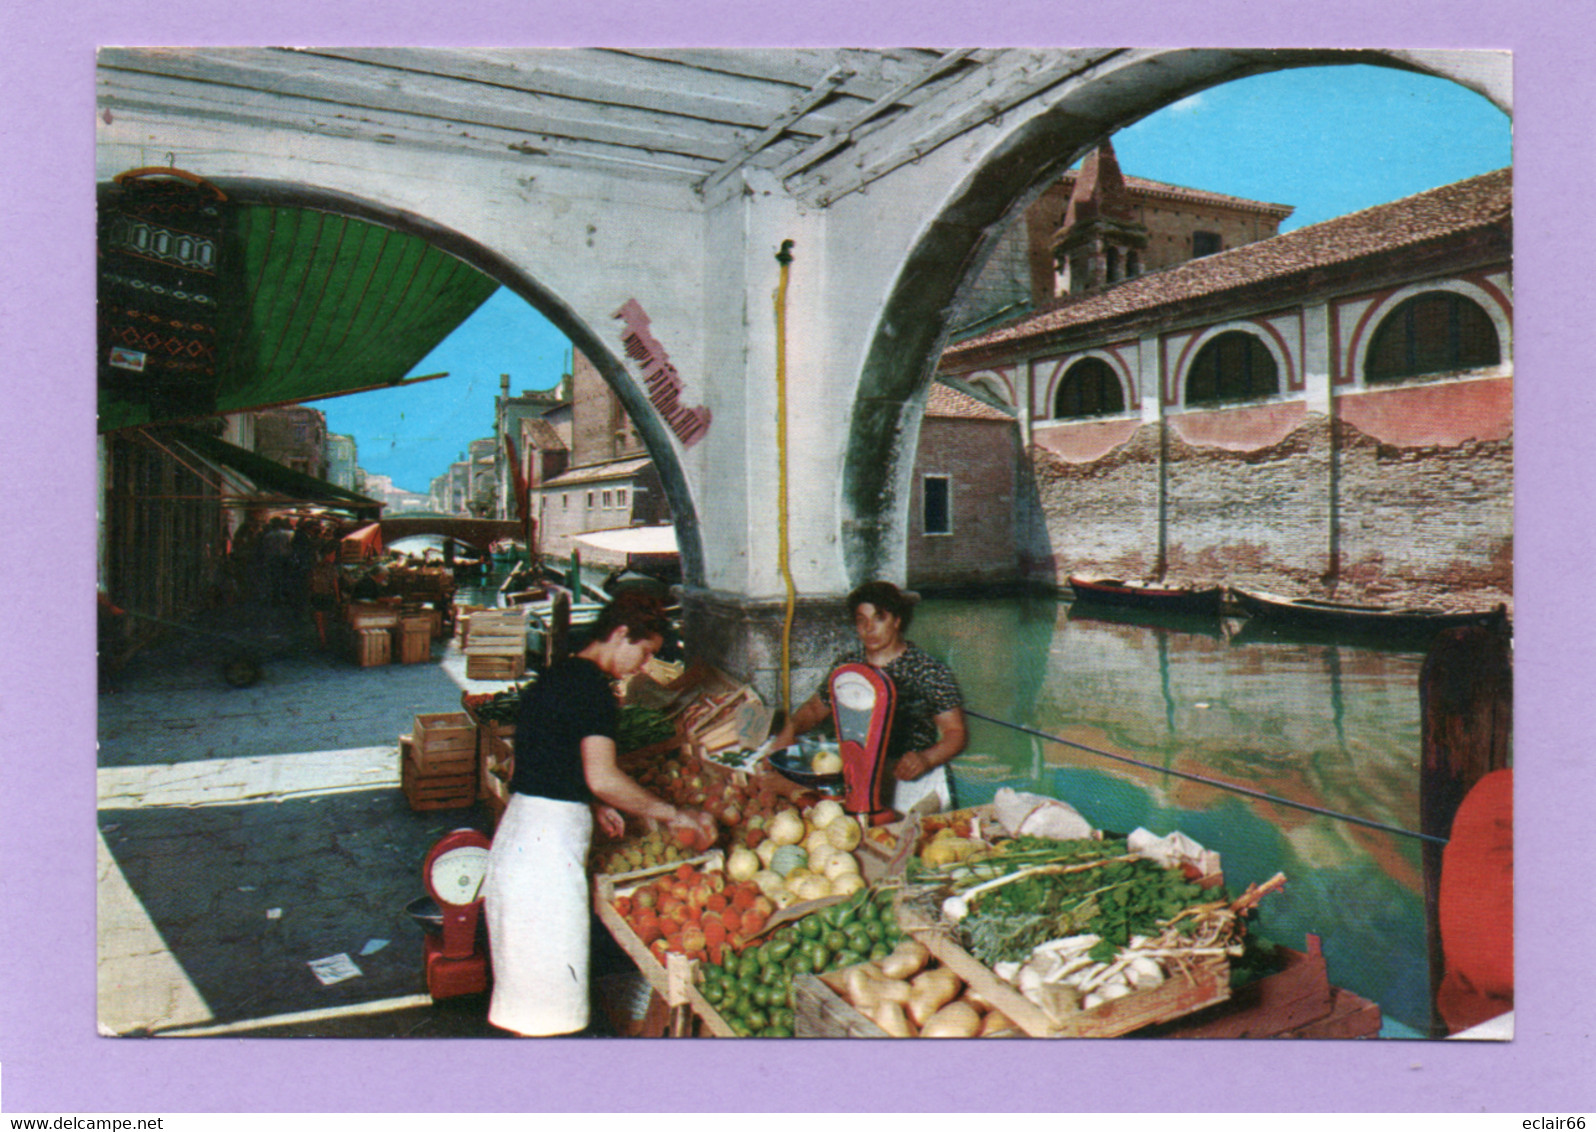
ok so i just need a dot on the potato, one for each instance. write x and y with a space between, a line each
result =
955 1020
930 991
890 1017
906 960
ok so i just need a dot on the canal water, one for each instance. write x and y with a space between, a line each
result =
1330 725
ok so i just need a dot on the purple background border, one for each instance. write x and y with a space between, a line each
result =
52 1061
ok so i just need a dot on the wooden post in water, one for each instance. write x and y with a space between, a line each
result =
1466 702
554 647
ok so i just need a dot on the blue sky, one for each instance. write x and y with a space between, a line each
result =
1327 140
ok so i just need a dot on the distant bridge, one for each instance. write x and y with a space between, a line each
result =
476 533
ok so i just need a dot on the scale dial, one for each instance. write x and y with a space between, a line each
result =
454 876
854 692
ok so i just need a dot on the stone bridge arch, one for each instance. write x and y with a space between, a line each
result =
514 277
479 534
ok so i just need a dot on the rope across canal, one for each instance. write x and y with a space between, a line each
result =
1205 780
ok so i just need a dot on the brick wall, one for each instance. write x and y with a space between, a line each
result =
600 428
1099 516
1420 521
978 457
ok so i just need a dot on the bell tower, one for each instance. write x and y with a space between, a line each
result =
1100 241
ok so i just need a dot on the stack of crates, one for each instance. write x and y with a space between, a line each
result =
372 626
438 762
495 644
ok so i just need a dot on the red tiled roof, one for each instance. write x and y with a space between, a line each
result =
1447 211
946 401
542 434
1140 186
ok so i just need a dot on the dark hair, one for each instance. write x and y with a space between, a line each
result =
642 615
886 597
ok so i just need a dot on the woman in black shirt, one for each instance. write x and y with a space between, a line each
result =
565 779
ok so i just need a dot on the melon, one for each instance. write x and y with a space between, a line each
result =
786 858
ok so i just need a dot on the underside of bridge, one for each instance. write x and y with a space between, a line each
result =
638 199
479 534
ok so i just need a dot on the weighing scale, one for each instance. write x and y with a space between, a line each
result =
453 872
862 700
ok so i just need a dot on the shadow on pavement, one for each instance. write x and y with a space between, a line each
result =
245 896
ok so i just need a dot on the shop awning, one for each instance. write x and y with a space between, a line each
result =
362 545
269 475
659 540
318 304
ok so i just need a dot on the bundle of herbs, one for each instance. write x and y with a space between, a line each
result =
1025 892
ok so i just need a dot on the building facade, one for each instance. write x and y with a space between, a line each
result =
603 478
1068 232
1326 412
963 503
295 436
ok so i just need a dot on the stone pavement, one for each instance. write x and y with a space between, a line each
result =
245 832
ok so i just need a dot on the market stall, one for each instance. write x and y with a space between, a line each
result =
1015 919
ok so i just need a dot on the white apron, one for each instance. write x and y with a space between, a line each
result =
932 782
536 900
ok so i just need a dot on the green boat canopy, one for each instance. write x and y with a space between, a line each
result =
303 303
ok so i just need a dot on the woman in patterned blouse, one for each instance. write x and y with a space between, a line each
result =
928 727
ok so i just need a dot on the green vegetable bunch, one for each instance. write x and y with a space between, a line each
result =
1114 899
641 726
502 706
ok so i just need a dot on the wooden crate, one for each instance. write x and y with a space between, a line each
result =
373 647
434 792
495 667
672 979
1204 981
495 759
445 742
820 1012
415 642
496 632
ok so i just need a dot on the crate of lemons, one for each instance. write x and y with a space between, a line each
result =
805 855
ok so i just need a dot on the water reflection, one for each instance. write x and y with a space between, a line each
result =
1332 726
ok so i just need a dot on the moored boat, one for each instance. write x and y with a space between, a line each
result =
1319 614
1207 601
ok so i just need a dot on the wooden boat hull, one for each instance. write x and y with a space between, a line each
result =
1112 591
1347 617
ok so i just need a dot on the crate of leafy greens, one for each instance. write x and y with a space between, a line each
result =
1077 938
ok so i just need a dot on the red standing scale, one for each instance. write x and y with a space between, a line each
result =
862 701
454 871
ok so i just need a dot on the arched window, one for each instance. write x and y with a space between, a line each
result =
1089 388
1436 332
1233 366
